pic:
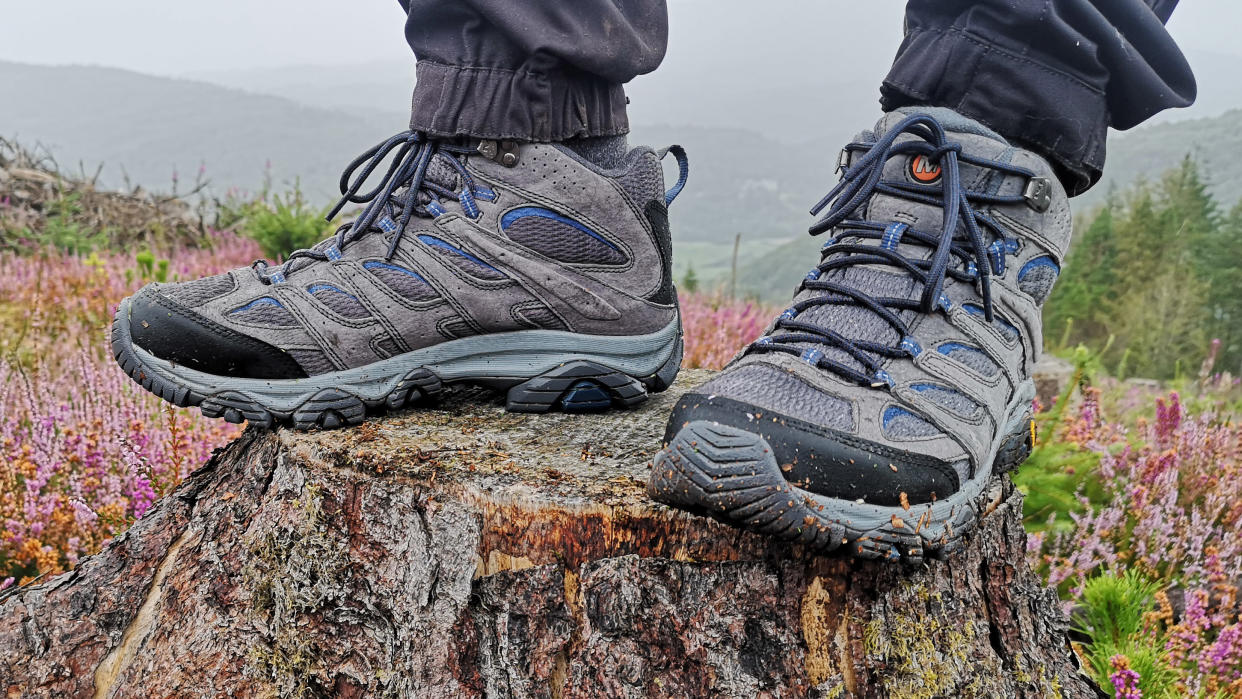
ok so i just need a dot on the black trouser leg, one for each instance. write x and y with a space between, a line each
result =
531 70
1051 75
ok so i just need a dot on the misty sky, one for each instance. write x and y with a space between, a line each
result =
175 38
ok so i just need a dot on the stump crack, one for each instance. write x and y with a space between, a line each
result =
119 658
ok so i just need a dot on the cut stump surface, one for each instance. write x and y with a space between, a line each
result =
469 552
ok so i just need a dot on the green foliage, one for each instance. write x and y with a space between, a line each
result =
1112 615
1157 269
61 231
1059 475
690 282
279 223
151 269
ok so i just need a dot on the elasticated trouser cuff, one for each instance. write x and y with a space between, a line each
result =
451 101
1031 104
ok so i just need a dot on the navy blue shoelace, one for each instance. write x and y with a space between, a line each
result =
961 249
385 211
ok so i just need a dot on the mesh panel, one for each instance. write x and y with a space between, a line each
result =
971 358
539 317
265 311
342 303
562 242
312 361
949 399
200 291
900 423
773 389
644 181
403 282
1037 278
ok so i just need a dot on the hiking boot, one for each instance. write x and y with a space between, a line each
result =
526 268
873 413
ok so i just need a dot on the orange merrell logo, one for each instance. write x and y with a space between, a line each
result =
924 170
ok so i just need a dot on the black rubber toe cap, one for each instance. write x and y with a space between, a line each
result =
173 332
825 461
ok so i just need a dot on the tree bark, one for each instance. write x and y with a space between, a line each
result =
468 552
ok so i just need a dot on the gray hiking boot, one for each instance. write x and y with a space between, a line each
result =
874 412
525 268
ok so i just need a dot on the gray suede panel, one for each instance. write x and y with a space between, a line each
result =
313 361
538 316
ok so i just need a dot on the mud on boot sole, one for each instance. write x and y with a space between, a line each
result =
539 370
731 475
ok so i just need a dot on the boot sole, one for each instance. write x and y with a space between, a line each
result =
731 475
539 370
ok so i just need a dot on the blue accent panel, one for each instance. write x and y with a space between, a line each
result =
683 173
437 243
892 235
333 253
1044 262
395 268
315 288
951 347
892 412
387 225
277 278
265 301
539 212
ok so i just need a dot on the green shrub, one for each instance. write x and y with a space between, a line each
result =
279 223
1112 615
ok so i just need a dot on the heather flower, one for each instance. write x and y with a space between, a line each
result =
1125 680
83 450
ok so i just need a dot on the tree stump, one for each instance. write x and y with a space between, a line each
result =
468 552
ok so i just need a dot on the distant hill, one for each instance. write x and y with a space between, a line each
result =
741 182
1148 151
148 127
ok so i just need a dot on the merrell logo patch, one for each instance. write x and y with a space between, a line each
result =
923 170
